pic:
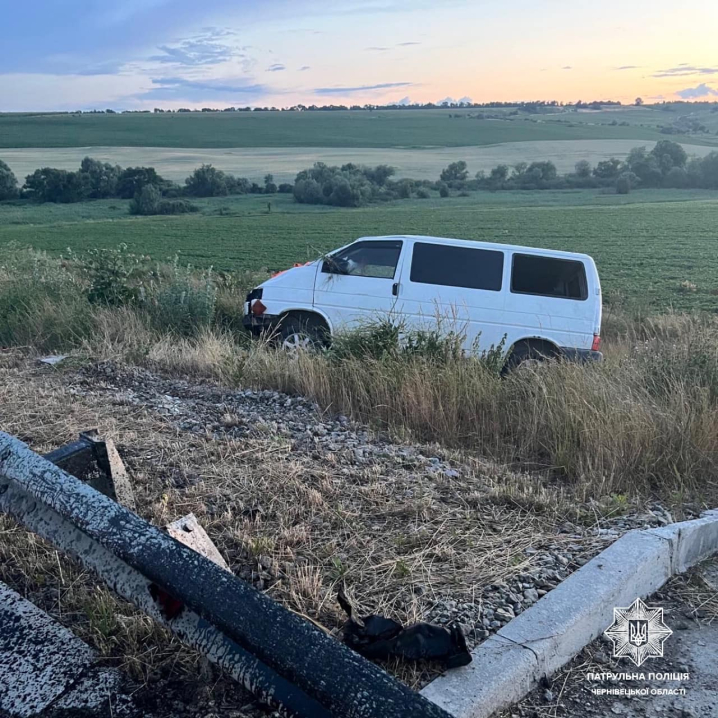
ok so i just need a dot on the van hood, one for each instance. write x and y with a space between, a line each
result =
295 278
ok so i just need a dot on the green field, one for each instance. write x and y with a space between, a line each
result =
646 244
381 128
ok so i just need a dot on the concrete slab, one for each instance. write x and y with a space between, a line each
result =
188 531
554 630
39 658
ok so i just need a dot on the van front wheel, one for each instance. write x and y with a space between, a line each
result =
296 335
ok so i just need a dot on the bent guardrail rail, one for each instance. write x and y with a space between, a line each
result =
275 654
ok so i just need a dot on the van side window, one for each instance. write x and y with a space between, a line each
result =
451 266
548 277
365 259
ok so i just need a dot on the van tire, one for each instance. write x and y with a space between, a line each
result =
525 353
302 332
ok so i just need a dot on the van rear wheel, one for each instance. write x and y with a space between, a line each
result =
528 355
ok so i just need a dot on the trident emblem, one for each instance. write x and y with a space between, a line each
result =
637 632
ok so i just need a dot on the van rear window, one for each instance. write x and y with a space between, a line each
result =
451 266
548 277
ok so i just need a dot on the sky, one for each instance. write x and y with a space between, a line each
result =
141 54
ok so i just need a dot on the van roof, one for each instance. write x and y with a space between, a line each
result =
475 242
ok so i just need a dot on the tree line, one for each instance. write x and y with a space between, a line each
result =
350 185
150 192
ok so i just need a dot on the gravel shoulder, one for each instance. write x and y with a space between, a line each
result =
300 503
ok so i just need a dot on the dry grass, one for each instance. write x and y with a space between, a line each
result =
397 537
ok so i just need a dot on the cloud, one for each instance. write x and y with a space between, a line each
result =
360 88
567 67
384 49
628 67
304 68
692 93
179 88
277 67
685 70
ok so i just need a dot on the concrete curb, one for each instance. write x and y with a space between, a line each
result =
550 633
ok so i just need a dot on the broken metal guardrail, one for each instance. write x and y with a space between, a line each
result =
278 656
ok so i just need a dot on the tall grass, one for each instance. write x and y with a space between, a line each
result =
645 420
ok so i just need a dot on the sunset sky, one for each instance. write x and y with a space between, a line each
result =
137 54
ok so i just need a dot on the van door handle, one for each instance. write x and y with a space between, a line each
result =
395 289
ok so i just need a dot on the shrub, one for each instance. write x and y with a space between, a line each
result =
110 274
443 189
423 193
269 185
623 184
149 201
183 304
285 188
8 182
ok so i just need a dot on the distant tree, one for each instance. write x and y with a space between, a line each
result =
133 179
677 178
645 166
639 101
669 155
52 185
443 189
99 179
623 184
269 186
455 172
8 182
285 188
541 172
583 169
607 169
207 181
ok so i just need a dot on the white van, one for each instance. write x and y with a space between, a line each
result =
540 302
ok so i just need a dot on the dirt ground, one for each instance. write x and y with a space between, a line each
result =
299 503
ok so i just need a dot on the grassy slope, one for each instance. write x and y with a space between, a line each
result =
308 129
645 244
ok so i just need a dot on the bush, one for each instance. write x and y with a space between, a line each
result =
110 274
423 193
285 188
269 185
149 201
183 304
8 182
443 190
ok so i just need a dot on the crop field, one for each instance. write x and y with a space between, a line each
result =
381 128
284 163
653 247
